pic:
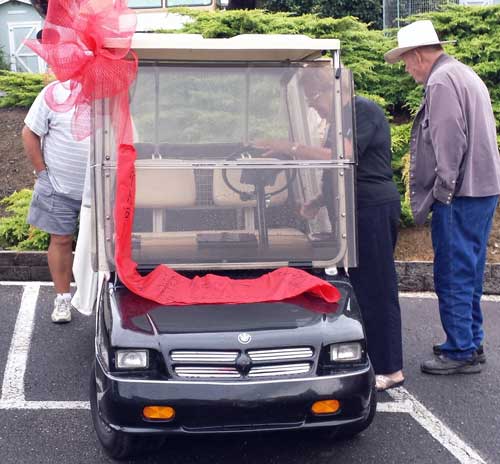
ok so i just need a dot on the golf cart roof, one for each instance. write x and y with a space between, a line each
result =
245 47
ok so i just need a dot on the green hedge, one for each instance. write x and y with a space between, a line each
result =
15 233
20 88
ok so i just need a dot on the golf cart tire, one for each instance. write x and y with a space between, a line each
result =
118 445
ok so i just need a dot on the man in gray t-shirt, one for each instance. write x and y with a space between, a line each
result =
60 164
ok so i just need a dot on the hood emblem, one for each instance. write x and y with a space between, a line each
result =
243 364
244 338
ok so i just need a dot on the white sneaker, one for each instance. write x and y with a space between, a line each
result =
62 311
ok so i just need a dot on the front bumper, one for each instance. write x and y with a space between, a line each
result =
226 406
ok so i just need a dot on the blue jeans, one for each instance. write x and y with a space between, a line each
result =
460 233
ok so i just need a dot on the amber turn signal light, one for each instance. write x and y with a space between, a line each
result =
325 407
158 412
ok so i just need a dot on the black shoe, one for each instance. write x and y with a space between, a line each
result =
481 357
441 365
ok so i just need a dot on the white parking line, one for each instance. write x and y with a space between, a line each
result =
21 283
436 428
13 380
433 296
13 396
44 405
393 406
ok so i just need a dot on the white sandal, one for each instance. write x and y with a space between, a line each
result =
382 383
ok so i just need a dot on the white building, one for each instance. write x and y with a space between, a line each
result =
19 21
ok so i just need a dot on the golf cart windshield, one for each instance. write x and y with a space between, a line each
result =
229 154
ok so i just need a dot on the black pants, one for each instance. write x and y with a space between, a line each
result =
376 287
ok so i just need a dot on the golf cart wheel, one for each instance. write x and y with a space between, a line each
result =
118 445
350 431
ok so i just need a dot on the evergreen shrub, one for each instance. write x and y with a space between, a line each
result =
20 89
15 233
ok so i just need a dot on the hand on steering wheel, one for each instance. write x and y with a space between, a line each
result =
276 148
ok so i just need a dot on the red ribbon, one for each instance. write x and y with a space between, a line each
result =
73 45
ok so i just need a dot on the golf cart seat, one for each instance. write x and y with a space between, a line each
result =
161 188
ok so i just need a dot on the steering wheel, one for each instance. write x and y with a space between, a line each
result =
262 177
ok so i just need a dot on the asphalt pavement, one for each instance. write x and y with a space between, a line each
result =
44 415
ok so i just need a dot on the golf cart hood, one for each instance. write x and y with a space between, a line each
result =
218 326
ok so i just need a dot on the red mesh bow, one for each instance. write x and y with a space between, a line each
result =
72 43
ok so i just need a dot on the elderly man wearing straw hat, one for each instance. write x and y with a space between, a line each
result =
455 173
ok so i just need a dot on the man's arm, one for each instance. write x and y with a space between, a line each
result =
33 149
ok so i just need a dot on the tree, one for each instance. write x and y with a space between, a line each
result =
368 11
3 61
241 5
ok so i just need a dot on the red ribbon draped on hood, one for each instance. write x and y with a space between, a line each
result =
72 43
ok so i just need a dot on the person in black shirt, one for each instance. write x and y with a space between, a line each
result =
378 202
379 208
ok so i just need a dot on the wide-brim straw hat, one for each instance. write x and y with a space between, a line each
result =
415 35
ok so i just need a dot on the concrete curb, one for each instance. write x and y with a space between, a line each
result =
414 276
417 276
25 265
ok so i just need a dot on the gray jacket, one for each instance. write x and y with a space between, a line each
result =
453 143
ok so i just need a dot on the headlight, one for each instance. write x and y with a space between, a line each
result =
132 359
346 352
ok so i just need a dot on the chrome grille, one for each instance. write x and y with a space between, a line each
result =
279 369
204 356
207 372
280 354
226 364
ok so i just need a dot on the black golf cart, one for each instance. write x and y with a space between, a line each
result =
210 199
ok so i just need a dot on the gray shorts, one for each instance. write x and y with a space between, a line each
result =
50 211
